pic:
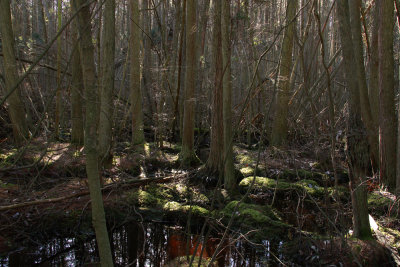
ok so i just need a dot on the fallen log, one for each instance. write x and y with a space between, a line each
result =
131 183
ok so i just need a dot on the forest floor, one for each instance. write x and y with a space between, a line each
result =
43 193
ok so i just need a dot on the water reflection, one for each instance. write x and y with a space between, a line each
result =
152 244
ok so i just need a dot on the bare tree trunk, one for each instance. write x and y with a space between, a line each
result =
57 114
92 155
216 159
398 153
372 129
147 62
279 127
187 153
136 94
16 107
229 170
177 42
357 146
77 134
387 130
373 85
107 84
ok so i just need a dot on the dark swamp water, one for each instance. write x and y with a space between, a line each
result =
151 244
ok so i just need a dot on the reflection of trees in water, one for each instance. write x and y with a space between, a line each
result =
138 245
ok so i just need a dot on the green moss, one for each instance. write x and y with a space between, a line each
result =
168 198
173 206
183 192
253 214
154 195
342 191
255 217
249 171
197 210
263 183
392 236
376 200
311 187
245 159
380 205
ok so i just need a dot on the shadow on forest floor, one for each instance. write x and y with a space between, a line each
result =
292 215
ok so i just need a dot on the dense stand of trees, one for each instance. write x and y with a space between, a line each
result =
283 72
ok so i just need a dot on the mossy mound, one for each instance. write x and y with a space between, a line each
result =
251 216
263 184
176 207
249 171
245 160
311 186
173 200
260 183
380 204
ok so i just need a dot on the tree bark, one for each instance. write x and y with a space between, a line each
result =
147 60
136 94
187 153
387 129
92 156
373 86
77 133
216 157
279 127
107 84
357 147
57 115
16 107
372 129
229 170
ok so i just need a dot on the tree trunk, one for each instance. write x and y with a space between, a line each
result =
176 62
16 107
107 84
229 170
92 159
77 133
372 129
147 62
279 127
216 157
57 114
357 147
187 153
136 94
398 153
387 129
373 86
